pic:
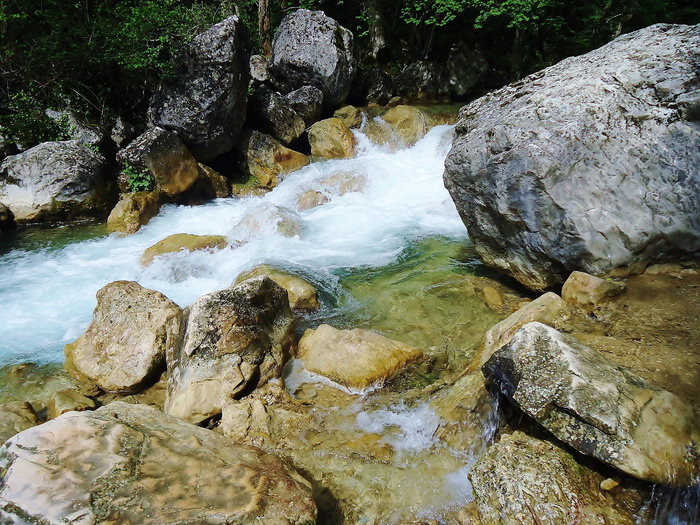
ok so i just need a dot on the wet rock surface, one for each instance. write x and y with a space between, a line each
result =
57 181
354 358
133 211
205 104
133 464
125 345
302 294
331 139
15 417
266 159
234 339
525 480
602 410
182 242
587 165
312 49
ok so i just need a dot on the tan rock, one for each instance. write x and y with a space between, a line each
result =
466 413
167 158
234 339
524 480
124 347
331 139
494 299
267 159
219 183
582 289
545 309
356 358
67 401
133 464
310 199
133 211
183 241
350 115
302 294
15 417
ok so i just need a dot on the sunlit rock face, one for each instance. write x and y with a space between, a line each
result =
591 164
601 409
234 339
133 464
312 49
125 345
525 480
57 181
205 104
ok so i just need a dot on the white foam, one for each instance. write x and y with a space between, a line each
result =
47 296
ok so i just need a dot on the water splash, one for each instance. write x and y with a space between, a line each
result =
48 291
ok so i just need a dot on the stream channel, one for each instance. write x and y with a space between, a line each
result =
392 256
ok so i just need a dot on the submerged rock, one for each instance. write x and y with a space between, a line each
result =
133 464
57 181
587 165
312 49
524 480
266 219
125 345
402 126
234 339
15 417
356 359
325 189
68 400
183 242
582 289
133 211
205 103
602 410
302 294
331 139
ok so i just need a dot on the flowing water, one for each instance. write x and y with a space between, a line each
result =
387 251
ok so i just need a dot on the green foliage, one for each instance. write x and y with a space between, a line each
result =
138 180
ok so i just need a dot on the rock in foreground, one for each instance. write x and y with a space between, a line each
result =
133 464
600 409
234 339
524 480
591 164
125 345
354 358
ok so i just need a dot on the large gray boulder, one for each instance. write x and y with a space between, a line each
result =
312 49
205 104
272 113
587 165
133 464
601 409
234 339
57 181
125 345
